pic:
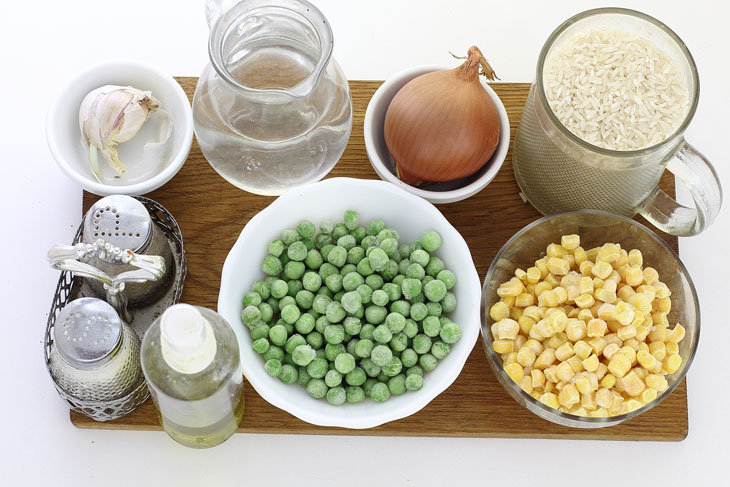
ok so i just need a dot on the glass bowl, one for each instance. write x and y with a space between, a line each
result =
595 228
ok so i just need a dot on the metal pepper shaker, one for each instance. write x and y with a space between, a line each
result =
94 355
124 222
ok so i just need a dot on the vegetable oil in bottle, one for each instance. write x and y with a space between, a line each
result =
191 361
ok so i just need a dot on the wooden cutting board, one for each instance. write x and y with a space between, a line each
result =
212 212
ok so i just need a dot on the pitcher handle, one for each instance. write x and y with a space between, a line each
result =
695 171
214 9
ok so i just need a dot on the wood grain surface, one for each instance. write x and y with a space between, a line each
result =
212 212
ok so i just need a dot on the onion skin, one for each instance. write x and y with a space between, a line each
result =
442 125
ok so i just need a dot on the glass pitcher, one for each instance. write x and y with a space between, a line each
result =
557 171
272 110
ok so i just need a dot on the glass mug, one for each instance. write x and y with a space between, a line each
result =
272 109
557 171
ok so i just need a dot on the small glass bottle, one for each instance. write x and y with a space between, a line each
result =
191 360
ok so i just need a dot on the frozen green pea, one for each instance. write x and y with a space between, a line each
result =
332 378
396 322
415 271
274 303
447 277
378 259
347 242
440 349
262 289
434 266
274 353
315 339
352 325
374 281
334 334
317 368
431 241
320 303
356 377
319 353
289 236
421 343
271 266
306 229
351 344
388 233
359 233
267 313
251 298
326 227
398 281
332 350
336 396
420 257
404 250
434 309
403 266
390 271
393 291
297 251
322 239
250 316
416 369
289 327
366 293
375 227
411 328
364 268
335 312
381 355
448 304
327 270
279 288
355 255
293 342
450 333
290 313
435 290
344 363
379 298
401 307
334 283
314 259
399 342
369 367
261 331
427 361
368 242
411 288
308 243
409 357
397 385
352 280
284 259
419 311
288 374
393 368
375 314
379 392
261 345
317 388
364 348
273 367
347 269
382 334
354 394
368 386
305 323
304 299
325 250
366 332
294 286
311 281
277 335
276 248
352 219
339 231
302 376
431 326
288 360
294 270
389 246
414 382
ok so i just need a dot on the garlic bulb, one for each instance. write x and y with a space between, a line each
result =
111 115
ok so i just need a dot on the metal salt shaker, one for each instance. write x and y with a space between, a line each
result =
95 355
124 222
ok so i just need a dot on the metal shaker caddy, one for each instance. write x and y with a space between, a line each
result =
128 251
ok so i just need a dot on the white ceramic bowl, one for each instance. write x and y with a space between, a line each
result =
382 161
411 217
64 135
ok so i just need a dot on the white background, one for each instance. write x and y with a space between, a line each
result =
44 43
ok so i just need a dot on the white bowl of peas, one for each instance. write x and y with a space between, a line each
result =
589 319
354 302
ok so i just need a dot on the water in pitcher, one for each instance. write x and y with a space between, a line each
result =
554 182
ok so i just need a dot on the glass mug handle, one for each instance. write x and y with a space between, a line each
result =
695 171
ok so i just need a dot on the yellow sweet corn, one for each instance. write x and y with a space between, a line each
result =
601 269
650 275
555 250
619 364
498 311
569 396
507 329
608 381
524 300
623 313
591 363
632 384
657 382
634 276
671 363
570 242
597 344
545 359
582 349
648 395
515 371
526 356
503 346
550 400
635 257
576 329
672 348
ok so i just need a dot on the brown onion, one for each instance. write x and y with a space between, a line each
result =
443 125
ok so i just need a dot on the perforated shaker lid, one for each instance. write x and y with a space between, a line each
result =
119 220
86 332
187 340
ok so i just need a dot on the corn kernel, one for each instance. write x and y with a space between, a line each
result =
597 344
583 384
657 382
624 292
648 395
663 305
610 350
650 291
551 374
503 346
613 338
525 323
631 342
545 359
513 287
561 294
601 371
582 349
609 253
616 402
588 401
600 413
619 364
564 371
585 268
557 340
585 301
585 315
509 301
533 275
580 255
570 242
632 384
548 298
658 350
569 396
575 363
507 329
605 295
659 333
515 313
671 363
604 397
650 275
538 378
634 276
638 318
515 371
661 290
532 312
622 260
519 341
526 357
575 330
613 327
591 363
646 359
642 332
609 285
549 386
632 405
541 264
601 269
596 328
521 275
629 352
608 381
498 311
526 384
550 400
552 280
509 358
524 300
534 345
573 292
597 283
627 332
605 311
641 372
635 257
555 250
623 313
672 348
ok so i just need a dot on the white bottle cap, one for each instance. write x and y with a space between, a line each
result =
186 338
